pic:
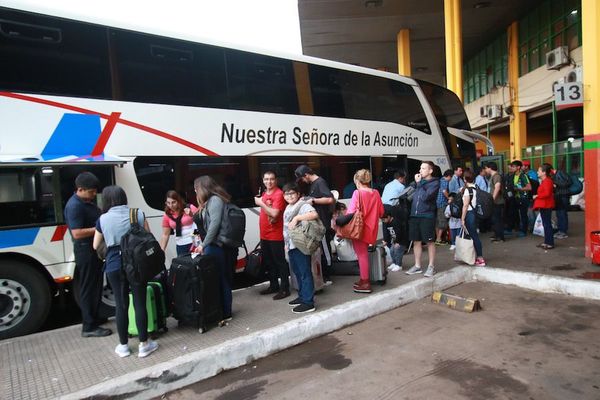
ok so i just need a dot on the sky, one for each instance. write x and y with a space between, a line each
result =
263 24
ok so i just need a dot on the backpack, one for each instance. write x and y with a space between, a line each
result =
576 186
233 226
485 204
307 235
484 207
141 255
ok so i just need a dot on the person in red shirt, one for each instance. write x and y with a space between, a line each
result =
544 202
272 205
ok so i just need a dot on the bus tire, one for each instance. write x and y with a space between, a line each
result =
25 299
107 304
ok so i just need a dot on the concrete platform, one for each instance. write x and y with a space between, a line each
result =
61 364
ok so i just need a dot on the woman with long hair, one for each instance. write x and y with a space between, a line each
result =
110 227
211 200
178 219
369 202
544 202
469 219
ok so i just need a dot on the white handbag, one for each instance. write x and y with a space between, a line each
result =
465 250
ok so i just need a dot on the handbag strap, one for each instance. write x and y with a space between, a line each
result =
359 207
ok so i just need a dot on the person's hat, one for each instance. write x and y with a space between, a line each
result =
302 170
526 163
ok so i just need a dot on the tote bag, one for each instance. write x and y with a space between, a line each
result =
465 250
354 228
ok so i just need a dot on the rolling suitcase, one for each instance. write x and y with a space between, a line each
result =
377 269
156 308
195 291
317 272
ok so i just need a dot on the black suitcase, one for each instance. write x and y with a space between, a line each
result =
195 291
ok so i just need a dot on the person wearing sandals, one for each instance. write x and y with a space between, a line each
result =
544 202
469 219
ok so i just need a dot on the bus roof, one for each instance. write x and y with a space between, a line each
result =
133 25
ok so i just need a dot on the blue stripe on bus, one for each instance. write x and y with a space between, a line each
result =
76 134
18 237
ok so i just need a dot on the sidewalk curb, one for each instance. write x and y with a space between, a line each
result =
539 282
203 364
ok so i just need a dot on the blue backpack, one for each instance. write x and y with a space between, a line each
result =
576 186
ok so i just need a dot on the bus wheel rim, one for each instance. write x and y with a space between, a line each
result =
14 303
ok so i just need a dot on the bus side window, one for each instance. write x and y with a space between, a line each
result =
26 197
43 54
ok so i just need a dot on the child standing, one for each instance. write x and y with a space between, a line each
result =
455 224
294 213
392 229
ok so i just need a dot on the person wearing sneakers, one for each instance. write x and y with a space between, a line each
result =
454 223
497 191
421 226
469 218
323 201
544 201
295 212
392 236
369 202
441 221
111 227
270 221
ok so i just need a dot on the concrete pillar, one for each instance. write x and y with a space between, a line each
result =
590 21
453 36
518 120
403 45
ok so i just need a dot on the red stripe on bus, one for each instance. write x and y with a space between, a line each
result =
111 122
107 117
59 233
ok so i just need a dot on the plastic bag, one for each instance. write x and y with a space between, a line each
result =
538 226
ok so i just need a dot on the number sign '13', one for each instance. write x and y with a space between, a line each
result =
568 95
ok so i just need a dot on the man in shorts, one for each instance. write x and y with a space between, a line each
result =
421 228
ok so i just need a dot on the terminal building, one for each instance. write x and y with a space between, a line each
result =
520 68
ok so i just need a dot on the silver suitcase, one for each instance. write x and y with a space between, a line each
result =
377 268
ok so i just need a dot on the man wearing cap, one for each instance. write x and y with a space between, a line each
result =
322 200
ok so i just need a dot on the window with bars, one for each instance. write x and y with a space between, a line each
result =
486 70
552 24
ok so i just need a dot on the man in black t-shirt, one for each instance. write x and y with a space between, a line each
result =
81 214
323 201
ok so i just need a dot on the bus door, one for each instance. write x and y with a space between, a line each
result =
383 169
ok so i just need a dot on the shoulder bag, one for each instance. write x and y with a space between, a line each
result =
354 228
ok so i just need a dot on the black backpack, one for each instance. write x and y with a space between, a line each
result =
483 208
233 226
141 255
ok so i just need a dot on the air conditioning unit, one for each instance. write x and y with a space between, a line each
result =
557 58
483 111
494 111
575 76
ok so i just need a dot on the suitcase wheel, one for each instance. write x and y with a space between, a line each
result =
200 330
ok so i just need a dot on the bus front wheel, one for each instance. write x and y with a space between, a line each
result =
25 299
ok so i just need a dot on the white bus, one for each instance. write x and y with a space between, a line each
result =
151 113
